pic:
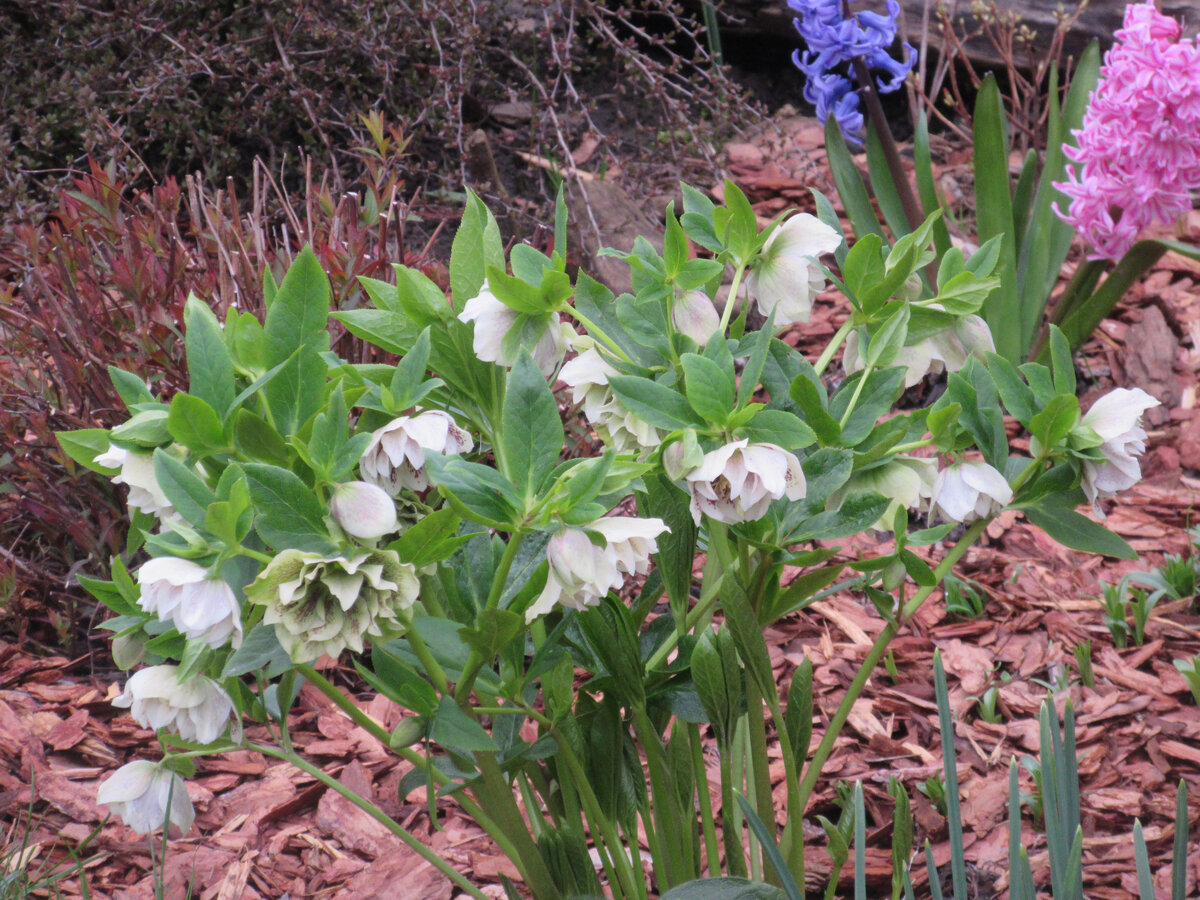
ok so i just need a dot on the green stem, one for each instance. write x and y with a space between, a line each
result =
731 301
344 703
858 388
255 554
432 667
813 772
731 825
836 341
764 802
475 660
708 599
667 862
712 849
426 853
596 331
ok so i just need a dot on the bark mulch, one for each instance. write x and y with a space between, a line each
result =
264 830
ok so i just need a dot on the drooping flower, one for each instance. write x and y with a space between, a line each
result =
581 573
833 40
693 314
587 376
324 604
1138 159
946 351
737 482
907 481
1117 419
146 795
197 709
785 276
199 606
137 473
493 321
969 490
363 510
395 458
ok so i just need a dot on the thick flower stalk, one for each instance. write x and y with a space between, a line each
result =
199 606
785 277
834 39
198 709
969 490
323 604
395 458
581 572
1138 159
137 473
1117 419
737 482
493 321
146 796
587 376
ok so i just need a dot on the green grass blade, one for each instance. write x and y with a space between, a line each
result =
1014 825
994 216
860 844
1141 856
926 187
958 865
1056 840
1075 866
883 184
1069 783
1047 239
770 849
849 183
935 878
1023 195
1082 321
1179 849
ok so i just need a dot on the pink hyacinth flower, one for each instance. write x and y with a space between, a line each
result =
1138 159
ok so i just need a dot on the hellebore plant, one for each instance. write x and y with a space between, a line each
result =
1134 148
422 522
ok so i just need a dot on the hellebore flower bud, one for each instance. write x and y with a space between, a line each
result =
694 315
363 510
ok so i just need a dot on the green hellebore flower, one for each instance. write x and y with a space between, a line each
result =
324 604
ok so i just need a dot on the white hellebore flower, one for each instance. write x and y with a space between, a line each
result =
947 350
395 458
363 510
785 277
587 376
737 482
581 573
181 592
197 709
324 604
137 473
969 490
493 320
693 314
1117 419
907 481
146 795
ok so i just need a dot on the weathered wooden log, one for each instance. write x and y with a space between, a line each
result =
1098 21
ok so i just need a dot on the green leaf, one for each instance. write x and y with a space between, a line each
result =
187 492
1016 394
297 316
884 185
888 341
858 512
775 426
131 389
476 492
883 388
420 298
1062 362
84 446
260 651
387 330
1078 532
709 389
289 515
849 183
195 424
655 403
494 630
1055 422
531 432
676 548
210 366
432 539
993 204
476 246
256 439
808 396
926 187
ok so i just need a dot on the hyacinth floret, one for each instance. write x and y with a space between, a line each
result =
834 39
1138 159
